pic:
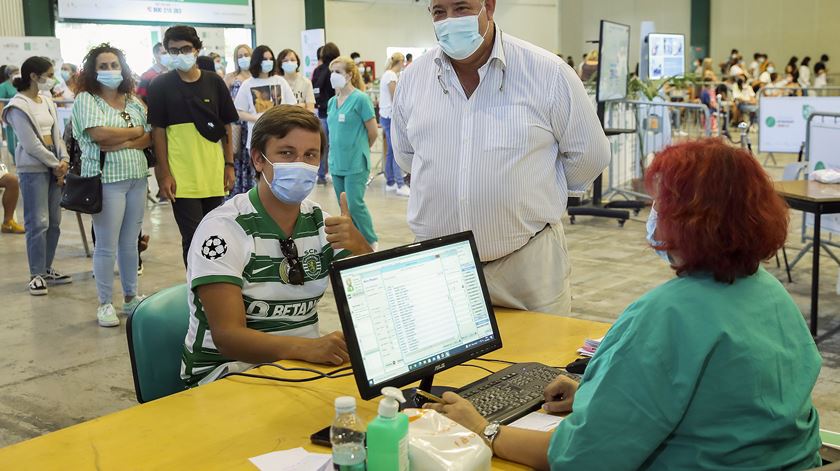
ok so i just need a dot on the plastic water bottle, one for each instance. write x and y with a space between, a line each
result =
347 436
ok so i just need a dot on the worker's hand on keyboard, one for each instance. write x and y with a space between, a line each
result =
460 410
560 394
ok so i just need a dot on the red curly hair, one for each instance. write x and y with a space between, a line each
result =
717 209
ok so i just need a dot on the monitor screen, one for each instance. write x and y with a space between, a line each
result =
613 61
419 310
666 55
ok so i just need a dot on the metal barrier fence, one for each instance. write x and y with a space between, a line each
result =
644 128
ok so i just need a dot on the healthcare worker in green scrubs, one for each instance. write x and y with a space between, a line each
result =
713 369
7 91
353 130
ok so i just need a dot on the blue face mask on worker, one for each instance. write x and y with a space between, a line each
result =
459 37
651 230
292 181
183 62
109 78
266 66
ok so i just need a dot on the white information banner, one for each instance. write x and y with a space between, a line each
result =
14 50
217 12
824 153
310 41
783 121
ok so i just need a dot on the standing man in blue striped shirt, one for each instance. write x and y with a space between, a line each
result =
496 134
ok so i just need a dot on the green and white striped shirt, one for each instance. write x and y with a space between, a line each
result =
238 243
90 111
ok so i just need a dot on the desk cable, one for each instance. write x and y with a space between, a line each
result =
337 373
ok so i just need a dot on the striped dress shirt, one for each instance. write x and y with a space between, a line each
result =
502 162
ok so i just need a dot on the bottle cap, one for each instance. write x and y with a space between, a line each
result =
390 404
345 404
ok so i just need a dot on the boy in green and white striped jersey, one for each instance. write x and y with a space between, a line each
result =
258 265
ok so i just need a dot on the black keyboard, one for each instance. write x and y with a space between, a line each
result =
512 392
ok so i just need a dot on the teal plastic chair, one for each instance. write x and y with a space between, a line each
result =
156 331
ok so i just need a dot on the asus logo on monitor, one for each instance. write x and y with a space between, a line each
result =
440 367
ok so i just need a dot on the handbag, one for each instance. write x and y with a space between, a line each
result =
84 194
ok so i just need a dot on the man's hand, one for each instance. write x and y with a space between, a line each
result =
167 187
327 350
560 394
230 178
61 170
342 234
460 410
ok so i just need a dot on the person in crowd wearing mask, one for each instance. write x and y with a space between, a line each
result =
698 67
754 65
42 162
387 88
708 71
352 122
234 80
505 175
823 63
66 87
409 59
108 117
766 77
744 98
589 67
218 64
289 69
241 313
160 65
692 370
324 91
264 90
820 75
357 58
7 91
191 114
805 73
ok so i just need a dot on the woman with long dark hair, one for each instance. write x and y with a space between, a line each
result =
109 118
42 162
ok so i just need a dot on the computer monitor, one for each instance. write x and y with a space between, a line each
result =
666 55
413 311
613 61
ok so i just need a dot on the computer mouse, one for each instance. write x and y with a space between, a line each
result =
578 366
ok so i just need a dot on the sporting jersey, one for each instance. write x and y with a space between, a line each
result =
238 243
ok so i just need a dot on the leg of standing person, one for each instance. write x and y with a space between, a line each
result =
107 224
209 204
324 167
127 254
386 133
188 214
54 228
11 192
338 185
35 190
355 186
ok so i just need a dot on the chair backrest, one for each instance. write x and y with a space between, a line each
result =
156 331
793 171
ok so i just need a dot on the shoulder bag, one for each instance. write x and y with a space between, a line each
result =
84 194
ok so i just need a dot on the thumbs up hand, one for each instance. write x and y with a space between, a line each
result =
342 234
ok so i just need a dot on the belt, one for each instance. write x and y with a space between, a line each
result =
483 264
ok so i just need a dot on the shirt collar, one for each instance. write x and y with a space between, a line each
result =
497 54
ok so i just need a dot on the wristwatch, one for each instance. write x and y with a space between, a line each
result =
491 431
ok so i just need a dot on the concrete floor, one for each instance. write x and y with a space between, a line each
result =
59 368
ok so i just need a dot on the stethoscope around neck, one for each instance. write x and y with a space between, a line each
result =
504 72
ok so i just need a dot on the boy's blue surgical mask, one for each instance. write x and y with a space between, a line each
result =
292 181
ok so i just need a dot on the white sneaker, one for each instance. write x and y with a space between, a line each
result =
375 246
391 187
129 307
107 316
37 286
403 191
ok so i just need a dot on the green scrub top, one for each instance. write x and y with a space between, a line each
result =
7 91
349 145
698 374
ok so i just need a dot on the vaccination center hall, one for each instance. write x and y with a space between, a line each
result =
426 235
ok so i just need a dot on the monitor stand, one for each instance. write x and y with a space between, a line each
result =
414 400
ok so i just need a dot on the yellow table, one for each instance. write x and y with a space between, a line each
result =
221 425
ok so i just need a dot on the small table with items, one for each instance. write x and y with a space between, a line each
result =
818 199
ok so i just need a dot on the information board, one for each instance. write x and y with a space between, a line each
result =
16 49
214 12
824 153
310 41
613 61
783 121
666 55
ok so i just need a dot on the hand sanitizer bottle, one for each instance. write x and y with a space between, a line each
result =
387 434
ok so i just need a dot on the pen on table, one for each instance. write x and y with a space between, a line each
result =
430 396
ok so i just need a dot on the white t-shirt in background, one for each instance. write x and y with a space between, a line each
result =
302 88
386 101
258 95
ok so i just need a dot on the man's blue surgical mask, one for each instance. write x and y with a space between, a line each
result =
183 62
459 37
651 230
292 181
267 66
110 78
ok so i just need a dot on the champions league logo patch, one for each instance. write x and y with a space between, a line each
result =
214 248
